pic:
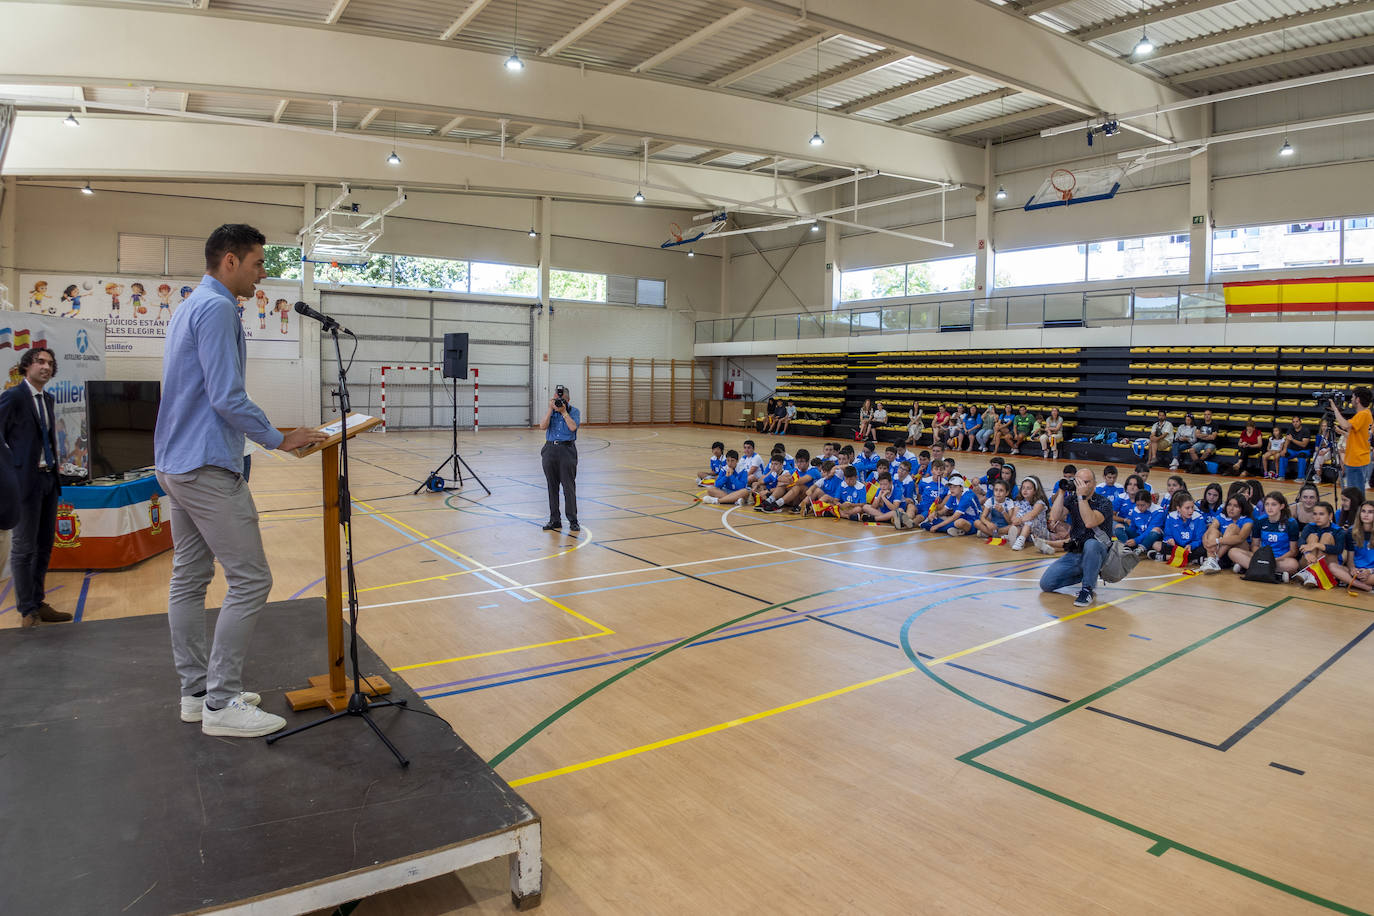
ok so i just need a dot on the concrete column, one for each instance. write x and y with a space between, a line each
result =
9 255
726 278
1200 208
310 330
985 205
543 321
830 283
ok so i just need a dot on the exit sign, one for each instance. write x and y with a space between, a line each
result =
1199 220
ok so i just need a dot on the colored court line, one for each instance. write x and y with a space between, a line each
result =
8 608
81 599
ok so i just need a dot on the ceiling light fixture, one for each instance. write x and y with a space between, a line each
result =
513 63
815 227
71 121
87 189
639 197
643 173
691 253
1286 149
1001 192
393 159
1144 47
816 138
533 234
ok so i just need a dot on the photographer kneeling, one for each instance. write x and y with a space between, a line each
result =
1356 437
559 457
1086 510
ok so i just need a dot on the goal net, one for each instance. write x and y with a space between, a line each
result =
419 397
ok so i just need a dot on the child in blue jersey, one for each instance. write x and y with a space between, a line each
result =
1319 539
750 461
1360 565
1108 487
959 512
1142 470
972 423
995 519
930 494
887 506
1123 504
773 477
853 495
1174 485
1277 531
1351 500
904 482
789 495
1143 527
866 461
732 485
827 492
1231 530
1183 527
1212 506
717 464
920 465
882 467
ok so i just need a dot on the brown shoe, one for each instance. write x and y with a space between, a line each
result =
49 614
28 620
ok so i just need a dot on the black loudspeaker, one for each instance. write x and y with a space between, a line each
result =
455 356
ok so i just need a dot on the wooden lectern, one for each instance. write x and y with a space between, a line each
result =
332 689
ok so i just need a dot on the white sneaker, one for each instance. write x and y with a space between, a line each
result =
1210 565
710 500
239 720
193 707
1173 465
1042 545
1307 579
1019 543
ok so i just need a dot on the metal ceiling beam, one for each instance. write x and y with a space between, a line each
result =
656 148
1267 27
450 126
527 133
710 156
280 110
595 141
874 61
949 107
758 165
772 60
813 170
1274 130
1040 6
457 25
368 118
1268 60
1009 118
585 26
336 13
902 91
1147 18
184 102
691 41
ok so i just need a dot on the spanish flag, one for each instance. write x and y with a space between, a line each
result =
1179 558
997 542
871 492
1322 574
21 339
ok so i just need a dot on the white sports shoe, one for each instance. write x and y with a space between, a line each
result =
1019 543
193 707
1210 565
1307 579
1173 465
239 720
710 500
1042 545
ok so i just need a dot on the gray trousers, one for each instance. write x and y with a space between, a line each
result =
560 470
213 518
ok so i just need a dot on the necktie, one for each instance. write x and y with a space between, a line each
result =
48 455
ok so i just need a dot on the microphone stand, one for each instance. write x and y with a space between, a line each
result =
359 705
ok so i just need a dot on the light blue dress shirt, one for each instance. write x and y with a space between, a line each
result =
558 427
206 413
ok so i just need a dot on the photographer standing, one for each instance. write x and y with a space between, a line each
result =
559 456
1356 438
1088 512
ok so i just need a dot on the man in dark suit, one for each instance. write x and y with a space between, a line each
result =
28 420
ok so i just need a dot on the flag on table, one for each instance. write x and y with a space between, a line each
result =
997 542
1322 573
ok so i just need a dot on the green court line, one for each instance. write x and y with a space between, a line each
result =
1162 844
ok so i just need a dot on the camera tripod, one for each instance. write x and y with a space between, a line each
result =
435 481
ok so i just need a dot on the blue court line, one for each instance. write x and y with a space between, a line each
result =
81 599
9 583
443 556
1094 626
9 607
611 588
1138 636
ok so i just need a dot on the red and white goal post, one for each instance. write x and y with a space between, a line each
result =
419 397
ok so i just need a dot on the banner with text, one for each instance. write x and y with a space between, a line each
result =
136 311
80 350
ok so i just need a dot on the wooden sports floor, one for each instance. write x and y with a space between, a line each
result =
721 711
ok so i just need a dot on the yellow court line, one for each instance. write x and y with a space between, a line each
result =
712 729
464 658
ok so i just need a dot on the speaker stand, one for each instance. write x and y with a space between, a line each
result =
433 482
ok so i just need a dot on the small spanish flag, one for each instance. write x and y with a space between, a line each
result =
1322 574
1179 558
997 542
758 499
699 496
871 492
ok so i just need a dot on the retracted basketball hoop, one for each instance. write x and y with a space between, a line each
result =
1065 187
1064 182
675 231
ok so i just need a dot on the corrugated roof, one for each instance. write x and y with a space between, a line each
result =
732 48
836 54
308 10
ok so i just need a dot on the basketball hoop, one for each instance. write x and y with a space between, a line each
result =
675 231
1064 182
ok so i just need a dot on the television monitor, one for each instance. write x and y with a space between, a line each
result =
122 417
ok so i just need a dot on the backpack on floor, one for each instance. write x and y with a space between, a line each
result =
1263 567
1117 562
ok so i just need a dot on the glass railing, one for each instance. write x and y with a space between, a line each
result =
1183 304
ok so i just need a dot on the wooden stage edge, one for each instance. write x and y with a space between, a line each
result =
179 822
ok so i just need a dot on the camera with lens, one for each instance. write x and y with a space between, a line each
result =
560 401
1331 396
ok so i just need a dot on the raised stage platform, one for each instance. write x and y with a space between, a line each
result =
112 804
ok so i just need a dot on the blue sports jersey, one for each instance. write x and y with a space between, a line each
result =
967 505
1279 535
1339 538
904 489
789 465
1111 491
809 476
857 495
1140 523
1185 532
732 482
1258 513
832 486
1123 505
972 422
719 465
931 491
865 463
1364 555
1218 516
770 480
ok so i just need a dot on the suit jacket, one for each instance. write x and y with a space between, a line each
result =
21 431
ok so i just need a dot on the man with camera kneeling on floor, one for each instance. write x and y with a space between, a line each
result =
1086 510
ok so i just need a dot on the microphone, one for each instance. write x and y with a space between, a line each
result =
329 323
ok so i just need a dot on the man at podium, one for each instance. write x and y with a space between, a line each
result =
198 448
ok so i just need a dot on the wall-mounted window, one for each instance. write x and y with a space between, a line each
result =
1151 256
282 261
1039 266
918 278
503 279
1284 245
1359 240
572 284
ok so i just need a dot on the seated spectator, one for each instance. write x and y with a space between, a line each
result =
955 433
1232 530
995 519
1321 451
1143 524
1029 513
959 512
1257 496
879 421
1270 462
764 421
987 422
718 464
972 423
1277 531
1351 500
1322 540
1023 426
1161 438
1303 510
1297 442
779 422
865 419
1108 487
1052 435
1142 470
886 505
915 423
853 496
1124 502
1089 515
731 485
1183 527
1002 430
1361 543
1173 485
939 427
1212 506
1185 437
790 496
1249 448
1204 441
